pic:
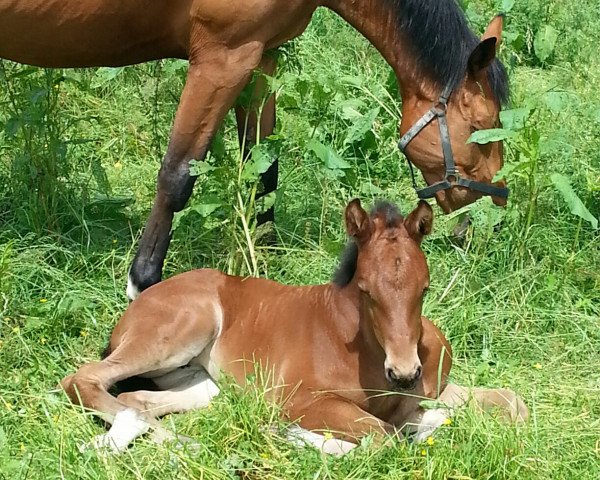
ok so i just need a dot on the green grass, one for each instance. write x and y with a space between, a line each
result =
521 306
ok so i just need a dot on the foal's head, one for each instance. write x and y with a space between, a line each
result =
481 85
392 277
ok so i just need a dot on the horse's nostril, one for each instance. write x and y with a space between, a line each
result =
389 374
418 372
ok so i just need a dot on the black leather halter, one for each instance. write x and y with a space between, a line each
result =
451 177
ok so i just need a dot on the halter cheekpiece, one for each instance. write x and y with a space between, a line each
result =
451 178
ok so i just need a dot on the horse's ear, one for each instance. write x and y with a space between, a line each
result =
485 52
419 222
494 30
358 225
481 57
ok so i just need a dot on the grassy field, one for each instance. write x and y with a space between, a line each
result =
519 299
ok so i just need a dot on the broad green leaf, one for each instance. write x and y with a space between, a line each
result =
490 135
259 163
104 75
507 5
557 101
544 42
361 126
514 119
327 155
198 168
577 207
209 205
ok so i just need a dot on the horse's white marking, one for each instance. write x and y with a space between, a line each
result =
430 421
126 427
181 390
218 318
301 437
132 290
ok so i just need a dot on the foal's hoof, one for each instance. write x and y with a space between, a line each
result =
104 444
459 232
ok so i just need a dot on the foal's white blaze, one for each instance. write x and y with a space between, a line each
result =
126 427
132 290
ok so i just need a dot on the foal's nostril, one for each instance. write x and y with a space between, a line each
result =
389 375
418 372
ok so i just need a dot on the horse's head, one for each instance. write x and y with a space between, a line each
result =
392 276
472 105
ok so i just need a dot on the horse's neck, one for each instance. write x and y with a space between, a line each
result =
345 312
377 23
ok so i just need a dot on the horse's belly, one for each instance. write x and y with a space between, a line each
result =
76 33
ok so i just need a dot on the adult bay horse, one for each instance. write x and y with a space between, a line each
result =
353 357
450 82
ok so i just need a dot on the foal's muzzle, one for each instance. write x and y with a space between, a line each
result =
400 382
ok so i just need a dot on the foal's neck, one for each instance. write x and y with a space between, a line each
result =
346 312
377 22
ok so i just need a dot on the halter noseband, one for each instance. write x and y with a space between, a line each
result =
451 177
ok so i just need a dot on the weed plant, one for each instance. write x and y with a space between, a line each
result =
519 299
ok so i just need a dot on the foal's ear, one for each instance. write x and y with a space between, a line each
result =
358 225
419 222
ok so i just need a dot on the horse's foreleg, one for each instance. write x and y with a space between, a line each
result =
256 119
211 87
338 421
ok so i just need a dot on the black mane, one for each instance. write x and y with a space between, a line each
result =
347 268
442 42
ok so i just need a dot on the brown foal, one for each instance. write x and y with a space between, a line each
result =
427 43
354 357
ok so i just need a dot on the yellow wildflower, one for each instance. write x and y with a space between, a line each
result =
448 421
115 241
83 333
22 447
537 366
328 436
43 300
118 165
430 441
16 330
423 452
43 340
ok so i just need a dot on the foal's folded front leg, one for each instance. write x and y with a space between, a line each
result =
335 425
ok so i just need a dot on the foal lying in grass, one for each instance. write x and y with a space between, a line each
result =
353 357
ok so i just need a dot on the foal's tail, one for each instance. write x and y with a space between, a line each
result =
508 404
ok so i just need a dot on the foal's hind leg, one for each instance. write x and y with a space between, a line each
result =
510 405
88 387
213 83
250 126
184 389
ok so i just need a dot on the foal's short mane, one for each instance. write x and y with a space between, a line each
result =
442 42
388 212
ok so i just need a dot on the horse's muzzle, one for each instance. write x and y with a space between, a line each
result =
399 382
